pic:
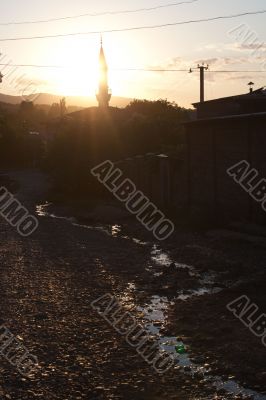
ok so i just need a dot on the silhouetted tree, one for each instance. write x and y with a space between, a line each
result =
63 107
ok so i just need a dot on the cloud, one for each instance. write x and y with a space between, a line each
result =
176 62
209 61
172 63
217 62
251 46
222 63
239 77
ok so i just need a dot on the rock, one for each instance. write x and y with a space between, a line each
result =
172 267
41 316
198 360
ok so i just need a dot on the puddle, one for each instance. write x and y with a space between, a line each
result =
95 228
188 294
115 230
159 257
135 240
162 259
154 317
207 280
110 230
154 313
232 386
41 211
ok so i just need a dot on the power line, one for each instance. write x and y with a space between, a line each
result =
98 14
235 71
137 27
187 70
149 70
33 65
134 69
112 69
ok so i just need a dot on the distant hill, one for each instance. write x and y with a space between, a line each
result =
78 101
8 107
5 98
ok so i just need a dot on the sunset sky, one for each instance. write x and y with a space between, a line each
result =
176 47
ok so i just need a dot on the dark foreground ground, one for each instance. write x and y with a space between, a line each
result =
49 279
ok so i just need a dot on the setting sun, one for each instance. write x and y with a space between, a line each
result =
79 70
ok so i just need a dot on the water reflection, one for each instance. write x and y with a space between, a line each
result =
154 315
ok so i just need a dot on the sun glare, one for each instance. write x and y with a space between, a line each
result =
81 73
77 83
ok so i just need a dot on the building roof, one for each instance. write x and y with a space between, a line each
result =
228 117
248 103
259 94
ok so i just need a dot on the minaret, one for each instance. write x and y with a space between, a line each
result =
104 95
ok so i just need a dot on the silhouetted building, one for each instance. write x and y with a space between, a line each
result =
252 102
227 131
104 95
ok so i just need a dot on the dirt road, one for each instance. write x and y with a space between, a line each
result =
49 280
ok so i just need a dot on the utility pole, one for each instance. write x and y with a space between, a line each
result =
202 69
